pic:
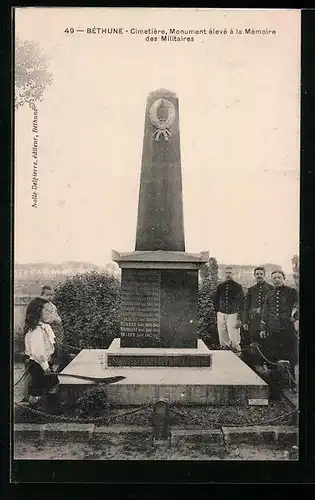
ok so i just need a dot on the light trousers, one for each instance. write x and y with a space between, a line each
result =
229 334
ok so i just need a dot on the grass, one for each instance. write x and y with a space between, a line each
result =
130 451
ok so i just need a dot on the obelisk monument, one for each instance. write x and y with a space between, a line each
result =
159 291
158 350
160 223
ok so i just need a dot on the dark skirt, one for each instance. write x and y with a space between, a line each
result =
40 382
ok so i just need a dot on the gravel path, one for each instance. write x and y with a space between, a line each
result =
97 451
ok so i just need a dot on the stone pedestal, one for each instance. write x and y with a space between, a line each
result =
118 356
159 296
228 381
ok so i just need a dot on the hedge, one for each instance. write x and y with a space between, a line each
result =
89 308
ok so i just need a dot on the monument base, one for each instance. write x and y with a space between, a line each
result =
159 298
159 357
228 381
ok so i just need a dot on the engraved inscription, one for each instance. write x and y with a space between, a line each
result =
140 303
178 361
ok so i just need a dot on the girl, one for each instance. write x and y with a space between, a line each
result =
39 347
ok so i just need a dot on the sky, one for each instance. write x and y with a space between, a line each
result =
239 115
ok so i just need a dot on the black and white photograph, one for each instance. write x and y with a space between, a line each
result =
156 234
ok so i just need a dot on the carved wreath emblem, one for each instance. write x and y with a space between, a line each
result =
162 125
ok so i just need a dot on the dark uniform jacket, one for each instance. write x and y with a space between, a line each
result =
254 302
229 298
277 320
278 308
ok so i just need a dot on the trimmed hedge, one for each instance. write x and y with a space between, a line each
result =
89 308
207 322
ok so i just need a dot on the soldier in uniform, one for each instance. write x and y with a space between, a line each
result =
254 302
228 303
278 334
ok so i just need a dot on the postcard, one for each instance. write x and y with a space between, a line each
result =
156 234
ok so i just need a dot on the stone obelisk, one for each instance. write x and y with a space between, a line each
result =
159 291
160 223
158 350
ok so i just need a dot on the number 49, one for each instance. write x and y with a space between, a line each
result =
69 30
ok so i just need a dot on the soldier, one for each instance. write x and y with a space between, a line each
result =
278 335
254 302
228 303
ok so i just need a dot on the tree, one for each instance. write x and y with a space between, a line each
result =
31 73
296 270
213 273
207 323
207 327
89 308
204 271
210 272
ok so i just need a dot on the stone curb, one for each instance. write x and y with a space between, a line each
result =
116 434
204 436
59 432
261 434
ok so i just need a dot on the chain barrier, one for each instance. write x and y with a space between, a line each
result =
122 415
289 413
249 349
23 377
261 422
112 419
191 417
59 418
264 357
77 419
292 379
